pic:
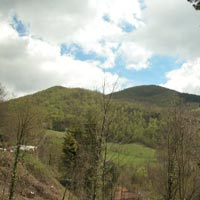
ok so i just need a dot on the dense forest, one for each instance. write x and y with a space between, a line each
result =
139 143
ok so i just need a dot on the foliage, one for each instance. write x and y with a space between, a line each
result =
131 125
70 149
155 95
37 168
61 106
50 148
131 122
22 124
95 143
177 174
195 3
112 172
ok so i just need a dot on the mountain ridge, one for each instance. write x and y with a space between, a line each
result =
154 94
149 90
143 94
63 108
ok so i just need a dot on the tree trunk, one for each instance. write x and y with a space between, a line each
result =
14 172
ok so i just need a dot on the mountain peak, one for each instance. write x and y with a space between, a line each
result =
154 94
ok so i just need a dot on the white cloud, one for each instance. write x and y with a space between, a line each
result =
52 20
79 22
28 65
172 28
120 11
60 20
186 78
135 56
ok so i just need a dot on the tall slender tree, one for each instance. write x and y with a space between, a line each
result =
24 124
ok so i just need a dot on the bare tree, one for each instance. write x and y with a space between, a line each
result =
107 120
178 156
24 124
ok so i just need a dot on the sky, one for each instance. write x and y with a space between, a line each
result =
86 43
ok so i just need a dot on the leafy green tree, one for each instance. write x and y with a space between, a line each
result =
195 3
70 149
79 160
152 132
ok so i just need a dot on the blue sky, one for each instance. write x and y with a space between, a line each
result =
19 26
155 74
77 44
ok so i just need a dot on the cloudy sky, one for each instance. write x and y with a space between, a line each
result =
81 43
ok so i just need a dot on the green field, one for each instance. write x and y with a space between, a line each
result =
131 154
56 137
56 134
122 154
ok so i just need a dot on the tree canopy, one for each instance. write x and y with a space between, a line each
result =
195 3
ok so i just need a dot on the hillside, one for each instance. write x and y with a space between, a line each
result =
35 180
57 102
153 94
61 105
134 131
132 122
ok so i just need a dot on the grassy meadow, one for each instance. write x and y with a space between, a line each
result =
131 154
122 154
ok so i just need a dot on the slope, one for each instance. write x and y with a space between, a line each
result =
153 94
34 179
60 106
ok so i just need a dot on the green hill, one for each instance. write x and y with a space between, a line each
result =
135 126
65 103
135 112
61 105
153 94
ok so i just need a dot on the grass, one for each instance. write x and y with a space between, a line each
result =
122 154
37 168
131 154
54 134
55 137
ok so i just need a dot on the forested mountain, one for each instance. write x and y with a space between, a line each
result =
132 121
58 100
154 94
59 104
